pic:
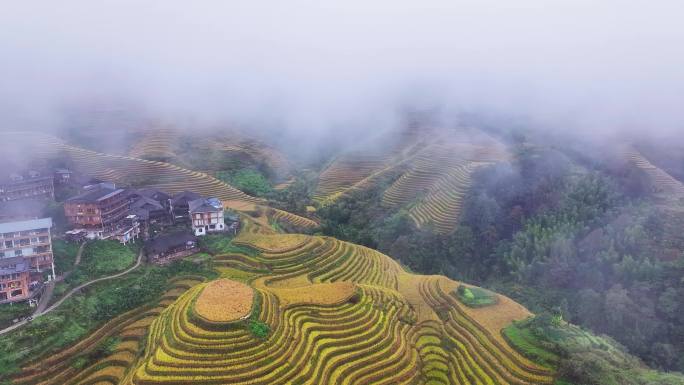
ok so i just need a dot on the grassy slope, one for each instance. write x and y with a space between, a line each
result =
582 358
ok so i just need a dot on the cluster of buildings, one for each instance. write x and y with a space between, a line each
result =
103 211
26 259
100 211
29 184
25 256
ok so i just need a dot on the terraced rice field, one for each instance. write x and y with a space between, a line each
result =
434 174
338 313
333 312
224 300
292 219
345 172
129 328
237 145
661 180
436 180
125 170
155 144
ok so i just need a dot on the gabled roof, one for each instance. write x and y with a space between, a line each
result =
184 197
95 195
147 203
154 193
165 242
202 205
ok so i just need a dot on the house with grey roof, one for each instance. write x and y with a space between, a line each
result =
206 216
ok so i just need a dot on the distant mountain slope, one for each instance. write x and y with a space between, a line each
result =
127 170
208 150
434 169
663 183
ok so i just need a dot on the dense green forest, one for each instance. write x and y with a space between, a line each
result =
580 238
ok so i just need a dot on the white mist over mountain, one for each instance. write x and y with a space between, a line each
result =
312 68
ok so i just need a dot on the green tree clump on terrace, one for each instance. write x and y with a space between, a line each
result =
475 296
259 329
248 180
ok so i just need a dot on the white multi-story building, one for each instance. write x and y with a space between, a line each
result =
25 253
206 215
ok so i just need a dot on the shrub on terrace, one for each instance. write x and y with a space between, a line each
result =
250 181
259 329
475 296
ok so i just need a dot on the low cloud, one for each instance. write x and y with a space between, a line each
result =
313 69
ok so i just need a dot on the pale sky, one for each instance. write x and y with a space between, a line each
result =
597 66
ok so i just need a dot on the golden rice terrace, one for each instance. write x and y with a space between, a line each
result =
313 310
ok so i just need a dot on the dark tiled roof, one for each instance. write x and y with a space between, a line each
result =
147 204
18 265
94 195
142 214
184 197
165 242
205 205
154 193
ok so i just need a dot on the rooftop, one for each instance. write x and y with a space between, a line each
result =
184 197
15 178
147 203
165 242
153 193
204 205
24 209
13 265
11 227
95 195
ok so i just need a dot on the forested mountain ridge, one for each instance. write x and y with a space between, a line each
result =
596 240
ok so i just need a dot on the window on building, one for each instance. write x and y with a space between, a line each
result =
8 244
16 293
18 253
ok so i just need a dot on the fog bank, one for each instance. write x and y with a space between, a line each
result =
309 68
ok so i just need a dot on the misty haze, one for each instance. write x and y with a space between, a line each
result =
436 192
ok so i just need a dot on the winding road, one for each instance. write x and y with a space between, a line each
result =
46 297
72 292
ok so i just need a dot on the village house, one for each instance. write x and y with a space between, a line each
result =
179 204
25 255
206 215
62 176
155 194
167 248
103 212
14 280
151 209
28 185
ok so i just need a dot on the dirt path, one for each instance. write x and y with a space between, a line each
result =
50 288
75 290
